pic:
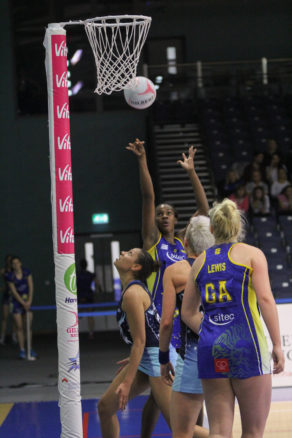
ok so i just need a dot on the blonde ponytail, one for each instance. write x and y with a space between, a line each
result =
227 222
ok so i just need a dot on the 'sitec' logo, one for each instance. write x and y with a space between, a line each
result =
61 49
221 365
70 279
221 318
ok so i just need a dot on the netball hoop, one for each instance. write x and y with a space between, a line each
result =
116 43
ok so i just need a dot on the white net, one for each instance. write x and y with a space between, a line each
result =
116 42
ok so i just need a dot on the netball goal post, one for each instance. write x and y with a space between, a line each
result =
116 42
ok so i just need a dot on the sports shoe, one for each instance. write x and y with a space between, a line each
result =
33 354
22 354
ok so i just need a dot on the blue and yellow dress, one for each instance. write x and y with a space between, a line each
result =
232 341
167 254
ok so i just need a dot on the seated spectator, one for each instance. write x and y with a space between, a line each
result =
271 148
280 183
272 169
256 181
259 202
285 200
240 197
232 181
256 164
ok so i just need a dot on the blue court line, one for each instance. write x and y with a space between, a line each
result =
80 306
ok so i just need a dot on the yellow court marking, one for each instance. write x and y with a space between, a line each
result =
5 408
278 424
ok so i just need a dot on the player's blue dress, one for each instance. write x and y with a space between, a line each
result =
21 286
186 369
149 363
232 342
167 254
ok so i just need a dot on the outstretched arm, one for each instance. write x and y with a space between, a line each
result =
150 231
267 305
133 306
166 324
200 196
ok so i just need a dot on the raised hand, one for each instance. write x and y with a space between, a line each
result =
137 148
188 162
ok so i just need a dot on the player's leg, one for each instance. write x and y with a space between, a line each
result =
254 399
17 317
150 415
187 397
108 404
162 396
219 399
184 411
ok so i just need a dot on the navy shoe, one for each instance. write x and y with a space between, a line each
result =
33 354
22 354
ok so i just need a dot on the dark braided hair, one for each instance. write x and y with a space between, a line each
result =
148 266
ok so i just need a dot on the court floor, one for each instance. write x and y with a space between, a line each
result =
28 393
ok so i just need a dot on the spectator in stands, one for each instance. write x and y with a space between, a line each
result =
232 181
240 197
271 148
259 202
280 183
285 200
256 164
272 169
256 181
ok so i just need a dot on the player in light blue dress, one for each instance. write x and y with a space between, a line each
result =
232 280
139 322
164 245
187 392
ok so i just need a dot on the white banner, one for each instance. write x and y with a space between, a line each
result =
285 317
63 233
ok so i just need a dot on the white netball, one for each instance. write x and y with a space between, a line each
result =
142 95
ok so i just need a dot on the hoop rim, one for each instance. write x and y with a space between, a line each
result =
132 19
101 21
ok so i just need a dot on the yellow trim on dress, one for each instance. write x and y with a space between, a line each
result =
242 291
235 263
195 277
155 244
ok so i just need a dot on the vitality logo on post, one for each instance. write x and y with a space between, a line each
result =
70 279
64 143
61 49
